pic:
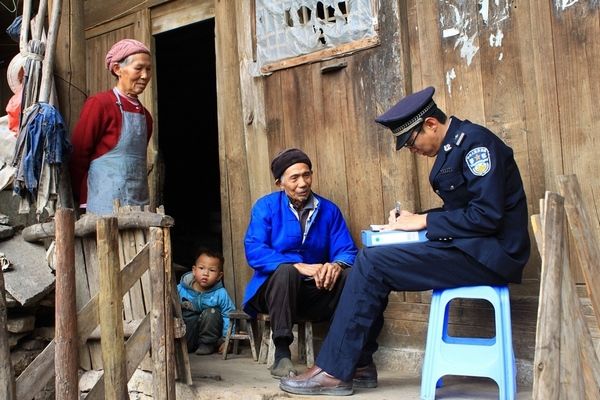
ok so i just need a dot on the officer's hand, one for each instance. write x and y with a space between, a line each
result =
412 222
392 215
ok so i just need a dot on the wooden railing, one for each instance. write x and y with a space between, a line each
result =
160 329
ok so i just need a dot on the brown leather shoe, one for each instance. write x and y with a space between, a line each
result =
365 377
316 381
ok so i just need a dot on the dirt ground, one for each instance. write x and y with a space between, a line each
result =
239 377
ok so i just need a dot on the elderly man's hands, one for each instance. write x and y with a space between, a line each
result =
325 275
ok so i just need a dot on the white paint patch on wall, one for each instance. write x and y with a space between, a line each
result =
458 21
450 76
563 4
496 40
484 10
468 49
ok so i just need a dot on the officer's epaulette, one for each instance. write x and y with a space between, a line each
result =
458 138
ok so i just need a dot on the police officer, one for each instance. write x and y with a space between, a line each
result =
478 237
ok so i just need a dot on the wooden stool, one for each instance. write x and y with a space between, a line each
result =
234 333
306 353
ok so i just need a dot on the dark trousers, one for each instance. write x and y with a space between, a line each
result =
202 327
358 320
288 297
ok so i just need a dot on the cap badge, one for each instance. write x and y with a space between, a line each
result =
478 160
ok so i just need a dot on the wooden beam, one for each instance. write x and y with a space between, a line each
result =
163 373
86 225
546 382
7 378
584 233
111 311
66 355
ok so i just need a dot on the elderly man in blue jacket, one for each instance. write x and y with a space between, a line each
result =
300 248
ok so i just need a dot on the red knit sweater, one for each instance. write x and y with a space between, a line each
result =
96 133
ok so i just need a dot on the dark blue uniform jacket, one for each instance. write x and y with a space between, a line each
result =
485 207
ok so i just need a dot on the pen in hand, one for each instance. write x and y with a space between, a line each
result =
398 208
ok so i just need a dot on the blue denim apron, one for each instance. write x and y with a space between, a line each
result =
121 173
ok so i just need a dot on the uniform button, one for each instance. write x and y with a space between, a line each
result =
437 191
449 238
451 187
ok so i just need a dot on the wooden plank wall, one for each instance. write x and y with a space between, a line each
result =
526 70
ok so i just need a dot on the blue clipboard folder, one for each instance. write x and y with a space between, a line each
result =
372 238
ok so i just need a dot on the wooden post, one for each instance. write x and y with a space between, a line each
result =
7 378
163 373
70 62
111 311
546 382
67 353
168 307
586 240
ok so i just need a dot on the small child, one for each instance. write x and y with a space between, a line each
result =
205 303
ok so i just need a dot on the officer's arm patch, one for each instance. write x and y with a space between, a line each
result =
478 160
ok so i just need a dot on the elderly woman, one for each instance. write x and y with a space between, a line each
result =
110 139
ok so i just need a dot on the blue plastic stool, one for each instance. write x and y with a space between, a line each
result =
484 357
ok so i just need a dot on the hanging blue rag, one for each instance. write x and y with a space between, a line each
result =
41 140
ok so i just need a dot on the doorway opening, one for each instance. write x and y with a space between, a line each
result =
188 138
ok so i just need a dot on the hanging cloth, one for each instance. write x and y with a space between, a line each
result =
41 150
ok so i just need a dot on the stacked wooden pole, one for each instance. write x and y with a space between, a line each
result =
7 379
565 364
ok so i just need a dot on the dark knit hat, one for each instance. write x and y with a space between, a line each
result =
286 159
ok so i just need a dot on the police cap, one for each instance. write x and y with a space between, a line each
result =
408 113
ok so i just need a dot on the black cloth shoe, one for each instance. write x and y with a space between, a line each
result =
316 381
205 349
283 368
365 377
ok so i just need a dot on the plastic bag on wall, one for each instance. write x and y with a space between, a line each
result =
14 29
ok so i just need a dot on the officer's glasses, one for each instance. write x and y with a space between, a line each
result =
412 140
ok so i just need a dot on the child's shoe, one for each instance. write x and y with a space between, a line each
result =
205 349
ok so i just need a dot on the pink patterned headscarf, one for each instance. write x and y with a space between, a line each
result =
123 49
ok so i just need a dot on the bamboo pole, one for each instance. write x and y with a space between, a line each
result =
111 311
67 352
24 35
48 65
7 379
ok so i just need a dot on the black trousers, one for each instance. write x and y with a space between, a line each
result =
288 297
202 327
